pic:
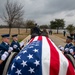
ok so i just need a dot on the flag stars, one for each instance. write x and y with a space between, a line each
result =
18 72
37 63
31 47
24 52
12 67
35 50
37 45
31 70
24 63
30 56
19 57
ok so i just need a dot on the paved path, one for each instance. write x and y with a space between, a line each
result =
57 40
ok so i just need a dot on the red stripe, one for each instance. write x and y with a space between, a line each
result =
40 38
54 60
70 70
31 40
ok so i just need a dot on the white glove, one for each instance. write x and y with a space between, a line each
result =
10 49
15 46
59 46
66 49
4 56
62 48
21 44
71 50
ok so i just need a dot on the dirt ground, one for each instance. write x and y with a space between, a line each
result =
61 36
22 35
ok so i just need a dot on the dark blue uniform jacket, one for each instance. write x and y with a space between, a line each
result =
3 47
17 48
68 46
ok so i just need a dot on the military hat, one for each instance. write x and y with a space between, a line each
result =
5 35
69 37
15 35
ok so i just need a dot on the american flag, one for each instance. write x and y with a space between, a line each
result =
40 57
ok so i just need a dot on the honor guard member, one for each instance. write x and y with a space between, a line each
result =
35 31
72 50
15 44
4 51
68 45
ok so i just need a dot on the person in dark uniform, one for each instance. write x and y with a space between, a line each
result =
68 45
4 51
72 50
50 32
72 34
15 44
44 33
64 33
35 30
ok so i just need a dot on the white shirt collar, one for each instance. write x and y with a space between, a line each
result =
6 43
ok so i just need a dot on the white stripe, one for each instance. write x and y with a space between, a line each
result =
36 38
63 62
45 56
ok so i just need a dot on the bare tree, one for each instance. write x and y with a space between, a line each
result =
13 14
30 24
19 25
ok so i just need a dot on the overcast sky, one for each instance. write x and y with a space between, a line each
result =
43 11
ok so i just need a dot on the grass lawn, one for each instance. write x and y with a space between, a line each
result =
21 36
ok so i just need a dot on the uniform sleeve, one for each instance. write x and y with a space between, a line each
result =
1 53
11 45
2 50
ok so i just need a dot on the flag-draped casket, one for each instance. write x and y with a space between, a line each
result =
40 57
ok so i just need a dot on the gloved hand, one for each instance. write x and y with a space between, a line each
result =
10 49
4 56
21 44
59 46
62 48
66 49
71 50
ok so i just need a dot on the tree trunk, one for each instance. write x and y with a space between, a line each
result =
9 31
10 27
18 30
